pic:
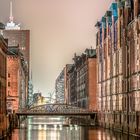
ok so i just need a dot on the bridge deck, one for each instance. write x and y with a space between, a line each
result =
55 113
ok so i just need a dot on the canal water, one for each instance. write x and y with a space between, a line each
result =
57 128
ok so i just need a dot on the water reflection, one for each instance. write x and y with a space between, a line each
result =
55 128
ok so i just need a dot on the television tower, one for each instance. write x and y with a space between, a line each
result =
11 25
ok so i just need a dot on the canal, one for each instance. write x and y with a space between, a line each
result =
57 128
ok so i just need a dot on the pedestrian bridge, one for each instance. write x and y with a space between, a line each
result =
56 109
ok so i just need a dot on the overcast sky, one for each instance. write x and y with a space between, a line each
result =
59 28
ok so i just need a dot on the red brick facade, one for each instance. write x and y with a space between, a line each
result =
92 83
20 38
118 65
82 81
13 81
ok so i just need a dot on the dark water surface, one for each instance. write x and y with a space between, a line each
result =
48 128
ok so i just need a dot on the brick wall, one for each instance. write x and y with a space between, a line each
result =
13 80
92 83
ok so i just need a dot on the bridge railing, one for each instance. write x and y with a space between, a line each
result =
56 111
56 108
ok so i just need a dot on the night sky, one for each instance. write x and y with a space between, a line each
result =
59 28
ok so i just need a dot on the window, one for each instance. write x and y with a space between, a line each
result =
8 84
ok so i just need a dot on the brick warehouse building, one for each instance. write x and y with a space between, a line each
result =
86 79
20 38
118 63
78 81
3 62
82 80
17 79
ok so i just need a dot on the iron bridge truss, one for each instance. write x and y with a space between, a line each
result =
56 108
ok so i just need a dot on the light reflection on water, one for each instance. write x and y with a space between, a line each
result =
46 128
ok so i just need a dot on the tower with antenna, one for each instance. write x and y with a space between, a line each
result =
11 25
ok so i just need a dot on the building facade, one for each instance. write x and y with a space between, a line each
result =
3 81
17 80
38 99
118 45
72 82
66 87
78 81
59 88
19 38
86 78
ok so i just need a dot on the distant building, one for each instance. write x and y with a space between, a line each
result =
3 81
37 99
59 88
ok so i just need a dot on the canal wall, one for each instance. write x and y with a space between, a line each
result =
120 121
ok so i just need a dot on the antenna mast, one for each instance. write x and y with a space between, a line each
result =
11 18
